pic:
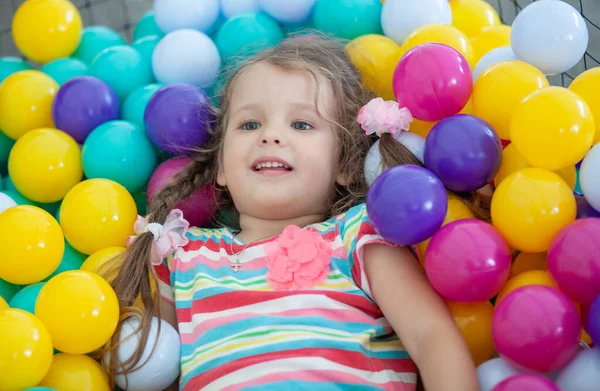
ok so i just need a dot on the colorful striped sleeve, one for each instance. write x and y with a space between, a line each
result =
163 272
357 231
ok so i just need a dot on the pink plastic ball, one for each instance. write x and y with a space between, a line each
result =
433 81
537 327
199 208
526 382
574 260
467 261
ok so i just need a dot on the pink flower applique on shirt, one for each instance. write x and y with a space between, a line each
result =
298 259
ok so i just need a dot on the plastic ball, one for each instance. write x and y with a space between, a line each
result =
198 208
526 382
537 327
531 206
45 164
552 128
589 179
474 321
45 30
122 68
574 260
533 277
65 69
231 8
501 88
33 244
26 298
171 15
136 102
10 65
464 152
96 262
399 18
95 39
433 81
376 57
26 102
289 12
493 57
488 39
3 304
8 290
26 351
6 202
146 46
467 261
6 145
493 372
247 34
584 209
551 35
593 320
525 262
472 16
582 373
186 56
88 321
586 85
75 372
82 104
161 356
393 206
147 26
178 118
443 34
71 260
97 213
348 19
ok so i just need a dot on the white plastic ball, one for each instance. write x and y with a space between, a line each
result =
589 177
495 56
231 8
582 373
186 56
6 202
550 35
372 168
161 369
171 15
494 371
289 11
399 18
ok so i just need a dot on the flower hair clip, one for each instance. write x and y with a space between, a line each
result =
168 237
379 116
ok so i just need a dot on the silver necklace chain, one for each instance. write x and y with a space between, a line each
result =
236 265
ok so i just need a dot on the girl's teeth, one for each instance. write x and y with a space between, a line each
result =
270 165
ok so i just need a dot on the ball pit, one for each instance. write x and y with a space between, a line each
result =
111 109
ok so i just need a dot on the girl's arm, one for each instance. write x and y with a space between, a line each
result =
420 318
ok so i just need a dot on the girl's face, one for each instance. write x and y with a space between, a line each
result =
279 158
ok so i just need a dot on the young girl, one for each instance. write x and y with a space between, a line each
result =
305 294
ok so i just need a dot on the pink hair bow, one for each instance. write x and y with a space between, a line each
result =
168 237
379 116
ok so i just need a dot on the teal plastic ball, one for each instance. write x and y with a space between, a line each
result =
64 69
348 19
8 290
26 298
71 260
135 104
145 46
147 26
10 65
95 39
246 34
6 145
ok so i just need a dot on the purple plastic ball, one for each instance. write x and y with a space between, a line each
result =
82 104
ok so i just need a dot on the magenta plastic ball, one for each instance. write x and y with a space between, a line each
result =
199 208
526 382
537 327
467 261
433 81
574 259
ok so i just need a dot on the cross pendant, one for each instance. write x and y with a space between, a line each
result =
236 265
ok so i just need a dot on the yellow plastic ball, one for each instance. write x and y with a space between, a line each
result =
26 350
440 33
552 128
489 39
501 88
529 208
97 213
80 311
376 57
474 321
26 102
532 277
45 164
527 262
98 262
32 244
587 85
45 30
513 161
472 16
73 372
3 304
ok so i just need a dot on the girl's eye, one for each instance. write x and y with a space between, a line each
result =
301 125
250 125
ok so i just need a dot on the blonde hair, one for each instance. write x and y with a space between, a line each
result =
323 59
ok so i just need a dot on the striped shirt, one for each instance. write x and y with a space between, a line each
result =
239 333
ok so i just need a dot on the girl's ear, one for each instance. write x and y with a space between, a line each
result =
221 181
343 179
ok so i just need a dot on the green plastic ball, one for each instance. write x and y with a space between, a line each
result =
6 145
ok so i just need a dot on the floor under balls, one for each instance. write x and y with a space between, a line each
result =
81 156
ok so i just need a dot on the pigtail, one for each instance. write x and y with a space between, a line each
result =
135 275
